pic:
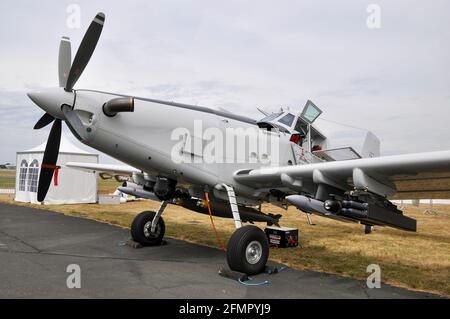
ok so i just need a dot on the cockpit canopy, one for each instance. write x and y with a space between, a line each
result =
282 119
287 122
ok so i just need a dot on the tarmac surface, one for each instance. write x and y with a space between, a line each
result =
36 247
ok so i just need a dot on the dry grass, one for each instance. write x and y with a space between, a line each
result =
419 261
7 178
107 186
8 172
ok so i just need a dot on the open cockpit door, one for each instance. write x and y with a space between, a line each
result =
313 139
310 112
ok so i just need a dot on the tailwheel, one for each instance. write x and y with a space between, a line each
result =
248 250
141 229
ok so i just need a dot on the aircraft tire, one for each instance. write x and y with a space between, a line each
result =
248 250
140 229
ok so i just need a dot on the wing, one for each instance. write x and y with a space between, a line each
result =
410 176
112 169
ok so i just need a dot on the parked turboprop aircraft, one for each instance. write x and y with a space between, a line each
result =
7 166
198 157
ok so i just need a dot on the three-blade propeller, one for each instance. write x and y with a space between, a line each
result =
69 73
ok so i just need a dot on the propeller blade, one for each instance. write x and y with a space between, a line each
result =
85 50
74 123
45 120
64 61
49 160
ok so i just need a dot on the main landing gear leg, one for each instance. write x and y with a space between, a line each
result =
368 229
248 248
148 227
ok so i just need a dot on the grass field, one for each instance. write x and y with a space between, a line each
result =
7 179
8 172
4 182
107 186
419 261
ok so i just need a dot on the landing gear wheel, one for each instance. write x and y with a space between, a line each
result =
141 229
248 250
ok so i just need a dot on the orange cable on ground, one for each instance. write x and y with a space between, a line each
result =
222 246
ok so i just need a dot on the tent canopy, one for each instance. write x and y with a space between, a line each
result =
65 147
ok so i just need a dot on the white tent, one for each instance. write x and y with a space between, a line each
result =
74 186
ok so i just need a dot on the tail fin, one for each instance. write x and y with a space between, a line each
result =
371 146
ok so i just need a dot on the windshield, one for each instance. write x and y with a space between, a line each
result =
288 119
271 117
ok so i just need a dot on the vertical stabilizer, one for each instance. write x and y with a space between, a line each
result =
371 146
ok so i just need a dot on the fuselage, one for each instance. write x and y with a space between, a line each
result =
170 139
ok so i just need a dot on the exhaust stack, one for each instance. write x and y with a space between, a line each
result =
117 105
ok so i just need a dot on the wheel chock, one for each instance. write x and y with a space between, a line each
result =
133 244
234 275
271 270
136 245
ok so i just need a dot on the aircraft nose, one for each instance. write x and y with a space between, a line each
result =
36 97
50 100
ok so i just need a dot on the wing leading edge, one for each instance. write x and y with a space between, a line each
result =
409 176
104 168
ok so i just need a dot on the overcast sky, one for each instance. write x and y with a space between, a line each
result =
239 55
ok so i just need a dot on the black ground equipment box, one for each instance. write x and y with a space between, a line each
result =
282 237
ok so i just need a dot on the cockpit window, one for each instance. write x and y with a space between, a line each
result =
270 117
288 119
273 127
